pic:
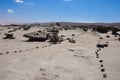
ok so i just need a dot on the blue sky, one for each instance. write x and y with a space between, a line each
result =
25 11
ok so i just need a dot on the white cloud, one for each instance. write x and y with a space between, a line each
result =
67 0
10 11
87 21
30 3
19 1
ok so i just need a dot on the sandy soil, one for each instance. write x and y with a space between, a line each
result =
22 60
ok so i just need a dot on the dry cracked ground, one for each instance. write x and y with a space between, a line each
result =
22 60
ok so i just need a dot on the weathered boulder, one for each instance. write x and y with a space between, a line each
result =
36 36
9 36
101 29
54 37
71 40
53 29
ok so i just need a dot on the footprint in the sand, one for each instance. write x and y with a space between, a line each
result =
46 75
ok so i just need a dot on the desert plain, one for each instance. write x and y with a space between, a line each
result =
83 60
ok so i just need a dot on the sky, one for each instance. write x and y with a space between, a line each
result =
88 11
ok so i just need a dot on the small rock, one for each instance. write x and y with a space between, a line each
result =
101 37
73 34
101 65
104 76
101 61
15 51
72 40
103 70
42 69
0 53
37 47
20 50
71 50
7 52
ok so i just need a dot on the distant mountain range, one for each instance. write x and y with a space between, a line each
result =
73 24
80 24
